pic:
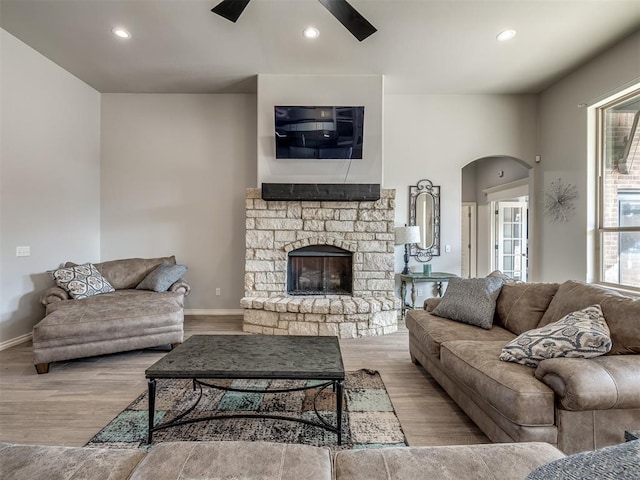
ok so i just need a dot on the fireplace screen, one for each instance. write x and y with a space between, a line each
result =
319 270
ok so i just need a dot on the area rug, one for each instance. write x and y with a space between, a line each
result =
369 420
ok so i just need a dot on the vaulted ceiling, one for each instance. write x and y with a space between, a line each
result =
421 46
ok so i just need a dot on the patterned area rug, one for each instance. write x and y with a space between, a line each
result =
369 420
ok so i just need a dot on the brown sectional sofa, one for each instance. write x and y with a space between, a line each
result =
123 320
574 404
262 460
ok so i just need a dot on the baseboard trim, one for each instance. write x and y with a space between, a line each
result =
213 311
15 341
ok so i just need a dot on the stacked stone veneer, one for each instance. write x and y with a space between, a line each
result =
274 228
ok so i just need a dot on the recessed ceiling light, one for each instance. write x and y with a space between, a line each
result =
311 32
120 32
506 35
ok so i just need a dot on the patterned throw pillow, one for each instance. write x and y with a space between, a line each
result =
470 300
81 281
581 334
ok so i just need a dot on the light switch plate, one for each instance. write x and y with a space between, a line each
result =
447 248
23 251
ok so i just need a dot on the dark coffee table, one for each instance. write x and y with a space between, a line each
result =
208 357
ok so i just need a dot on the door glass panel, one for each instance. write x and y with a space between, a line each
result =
508 265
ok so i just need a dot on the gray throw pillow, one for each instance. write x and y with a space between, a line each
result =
581 334
160 279
470 300
620 461
503 276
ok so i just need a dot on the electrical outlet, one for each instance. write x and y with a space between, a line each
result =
217 292
420 292
24 251
447 248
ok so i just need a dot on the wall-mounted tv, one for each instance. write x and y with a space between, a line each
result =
319 132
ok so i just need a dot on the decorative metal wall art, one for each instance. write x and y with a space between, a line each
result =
559 201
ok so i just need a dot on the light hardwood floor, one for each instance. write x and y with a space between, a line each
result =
77 398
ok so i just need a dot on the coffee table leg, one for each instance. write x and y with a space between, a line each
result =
339 392
152 407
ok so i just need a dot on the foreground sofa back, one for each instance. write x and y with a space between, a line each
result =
576 404
277 461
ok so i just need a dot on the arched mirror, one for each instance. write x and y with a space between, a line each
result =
424 212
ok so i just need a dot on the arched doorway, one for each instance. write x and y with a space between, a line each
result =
495 217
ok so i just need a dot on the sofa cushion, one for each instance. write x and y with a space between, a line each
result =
431 303
458 462
162 277
510 388
81 281
609 463
520 306
621 313
470 300
581 334
573 296
34 462
432 331
623 317
248 460
121 314
128 272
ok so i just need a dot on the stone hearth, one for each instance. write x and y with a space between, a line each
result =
365 228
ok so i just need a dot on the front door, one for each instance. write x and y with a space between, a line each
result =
511 239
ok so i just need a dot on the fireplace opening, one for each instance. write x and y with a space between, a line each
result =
320 270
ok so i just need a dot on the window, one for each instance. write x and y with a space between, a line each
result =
619 191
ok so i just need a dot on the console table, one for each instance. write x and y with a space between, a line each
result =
438 278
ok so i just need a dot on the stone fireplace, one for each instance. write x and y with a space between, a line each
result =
320 267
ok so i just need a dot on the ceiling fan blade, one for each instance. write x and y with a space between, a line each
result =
230 9
350 18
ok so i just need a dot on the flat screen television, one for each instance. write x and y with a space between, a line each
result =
319 132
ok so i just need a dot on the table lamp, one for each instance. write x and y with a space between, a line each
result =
406 236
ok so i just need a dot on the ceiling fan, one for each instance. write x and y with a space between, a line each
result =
341 9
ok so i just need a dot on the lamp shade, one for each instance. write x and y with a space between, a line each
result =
406 235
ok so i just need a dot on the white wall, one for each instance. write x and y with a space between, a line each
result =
434 136
345 90
50 183
487 174
175 169
567 153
